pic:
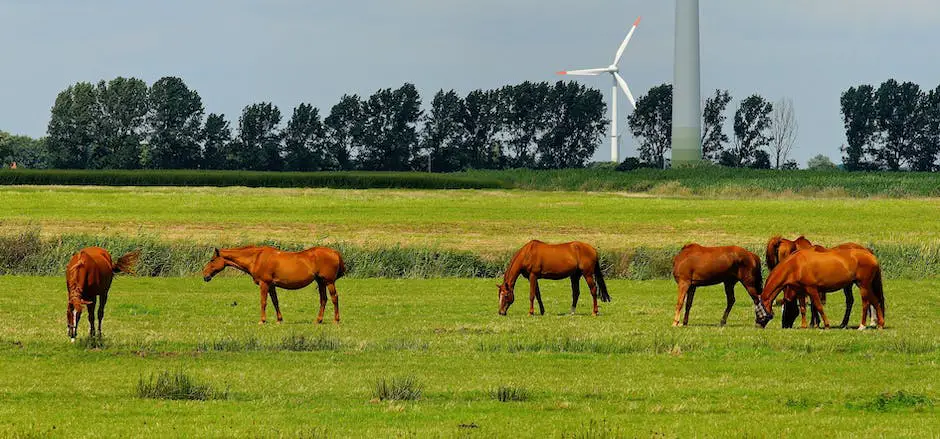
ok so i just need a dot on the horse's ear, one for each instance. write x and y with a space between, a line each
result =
216 249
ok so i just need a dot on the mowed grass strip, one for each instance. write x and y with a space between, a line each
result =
482 221
624 372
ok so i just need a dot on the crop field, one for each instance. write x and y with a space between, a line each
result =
626 372
431 357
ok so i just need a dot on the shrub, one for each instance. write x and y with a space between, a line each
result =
509 394
177 386
399 388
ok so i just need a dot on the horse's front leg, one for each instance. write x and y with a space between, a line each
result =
264 302
277 309
817 304
91 317
729 295
538 297
801 299
104 301
849 301
575 291
533 291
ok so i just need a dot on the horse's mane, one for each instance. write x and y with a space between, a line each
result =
688 245
771 253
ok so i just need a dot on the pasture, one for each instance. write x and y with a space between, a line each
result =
624 373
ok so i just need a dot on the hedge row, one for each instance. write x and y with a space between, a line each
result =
28 254
339 180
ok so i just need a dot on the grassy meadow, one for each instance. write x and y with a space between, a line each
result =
482 221
626 372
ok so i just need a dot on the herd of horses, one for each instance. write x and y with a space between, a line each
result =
798 269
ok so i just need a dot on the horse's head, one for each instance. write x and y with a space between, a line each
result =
763 313
506 297
215 265
73 314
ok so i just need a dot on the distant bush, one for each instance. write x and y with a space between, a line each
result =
510 394
399 388
340 180
820 163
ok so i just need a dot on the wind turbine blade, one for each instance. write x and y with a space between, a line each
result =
626 90
585 72
623 45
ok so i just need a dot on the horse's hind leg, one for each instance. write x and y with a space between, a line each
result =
592 286
690 296
104 301
802 301
91 318
817 303
683 289
264 303
321 288
849 301
575 291
729 295
334 297
277 309
538 297
870 300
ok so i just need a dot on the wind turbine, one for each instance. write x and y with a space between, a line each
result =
618 81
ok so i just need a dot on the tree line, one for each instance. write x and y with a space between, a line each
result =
764 133
126 124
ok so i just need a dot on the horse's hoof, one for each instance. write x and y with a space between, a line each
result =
72 340
261 322
279 321
861 327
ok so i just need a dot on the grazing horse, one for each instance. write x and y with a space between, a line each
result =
88 278
816 271
538 260
272 268
697 266
779 249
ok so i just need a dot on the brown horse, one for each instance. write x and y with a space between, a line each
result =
271 268
697 266
538 260
816 271
88 278
779 249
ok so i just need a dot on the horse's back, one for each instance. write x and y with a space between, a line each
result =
557 260
712 264
90 269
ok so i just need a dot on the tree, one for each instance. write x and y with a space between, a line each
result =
443 135
73 127
483 121
783 131
900 120
390 136
713 122
858 117
574 124
303 140
258 144
761 160
26 151
175 121
651 124
751 131
524 112
121 128
344 128
820 163
217 140
927 142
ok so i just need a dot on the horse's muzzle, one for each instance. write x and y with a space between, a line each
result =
207 278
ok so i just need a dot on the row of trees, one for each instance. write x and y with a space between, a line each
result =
124 124
895 126
764 133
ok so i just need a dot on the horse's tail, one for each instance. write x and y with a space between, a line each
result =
601 285
126 263
878 289
771 253
341 270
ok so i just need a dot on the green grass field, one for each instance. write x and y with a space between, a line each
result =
483 221
624 373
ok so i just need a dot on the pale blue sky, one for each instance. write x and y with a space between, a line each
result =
237 52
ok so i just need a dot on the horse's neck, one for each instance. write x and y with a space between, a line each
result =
241 259
515 268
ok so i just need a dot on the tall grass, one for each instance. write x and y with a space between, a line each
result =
177 386
27 253
338 180
397 388
709 180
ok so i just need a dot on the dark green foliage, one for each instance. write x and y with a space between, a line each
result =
303 141
510 394
217 142
713 121
175 124
176 386
891 401
341 180
27 152
302 343
820 162
344 130
389 129
651 124
443 135
73 128
574 125
122 117
483 123
258 143
751 133
858 116
397 388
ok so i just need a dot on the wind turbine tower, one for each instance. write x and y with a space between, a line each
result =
687 87
617 81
